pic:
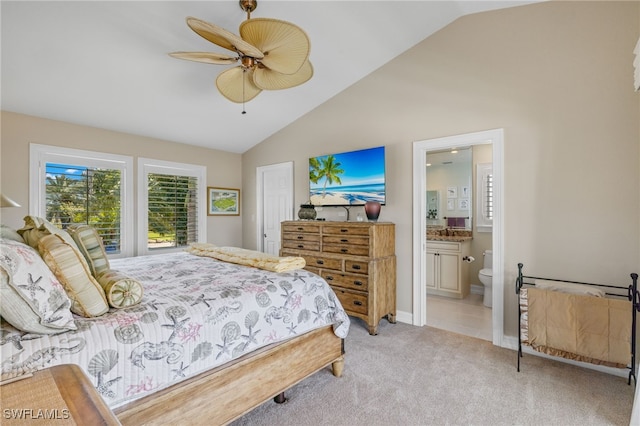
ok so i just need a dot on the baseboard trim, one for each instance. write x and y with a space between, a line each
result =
404 317
477 289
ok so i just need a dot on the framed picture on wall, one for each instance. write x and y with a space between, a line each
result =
464 191
463 204
452 192
223 201
451 204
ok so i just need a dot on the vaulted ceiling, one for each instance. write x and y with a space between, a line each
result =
105 64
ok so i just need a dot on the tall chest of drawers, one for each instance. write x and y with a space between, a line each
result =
356 258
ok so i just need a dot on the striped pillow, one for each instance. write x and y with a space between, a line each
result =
87 297
90 245
121 291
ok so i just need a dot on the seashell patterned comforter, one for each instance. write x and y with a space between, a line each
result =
197 313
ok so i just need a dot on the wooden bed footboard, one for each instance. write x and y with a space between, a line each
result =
225 393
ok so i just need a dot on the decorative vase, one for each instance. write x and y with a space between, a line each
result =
307 212
372 209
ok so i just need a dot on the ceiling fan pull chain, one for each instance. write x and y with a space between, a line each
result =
244 73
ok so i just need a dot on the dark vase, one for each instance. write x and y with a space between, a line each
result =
307 212
372 209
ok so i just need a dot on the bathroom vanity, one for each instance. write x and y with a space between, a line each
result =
446 273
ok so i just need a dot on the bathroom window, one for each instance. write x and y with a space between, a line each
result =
484 179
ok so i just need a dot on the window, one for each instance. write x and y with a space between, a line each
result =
172 210
76 186
484 177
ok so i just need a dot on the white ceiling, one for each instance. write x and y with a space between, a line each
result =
105 64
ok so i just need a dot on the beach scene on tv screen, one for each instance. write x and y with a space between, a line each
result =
349 178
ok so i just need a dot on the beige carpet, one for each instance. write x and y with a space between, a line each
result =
409 375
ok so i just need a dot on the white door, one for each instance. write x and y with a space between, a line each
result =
275 204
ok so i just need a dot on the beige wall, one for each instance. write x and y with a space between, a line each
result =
18 131
557 76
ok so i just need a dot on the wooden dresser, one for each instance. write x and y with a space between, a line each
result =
356 258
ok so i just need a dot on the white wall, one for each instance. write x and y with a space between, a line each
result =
557 77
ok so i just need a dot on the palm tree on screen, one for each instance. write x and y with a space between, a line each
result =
329 170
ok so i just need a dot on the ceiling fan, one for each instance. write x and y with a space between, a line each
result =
272 55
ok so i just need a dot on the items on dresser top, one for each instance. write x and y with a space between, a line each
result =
356 258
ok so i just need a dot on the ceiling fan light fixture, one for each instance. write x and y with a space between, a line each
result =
272 55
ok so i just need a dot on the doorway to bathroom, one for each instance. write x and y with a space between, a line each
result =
447 205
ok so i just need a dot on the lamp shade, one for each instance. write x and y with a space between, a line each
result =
7 202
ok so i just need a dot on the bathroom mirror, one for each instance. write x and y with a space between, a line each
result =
450 173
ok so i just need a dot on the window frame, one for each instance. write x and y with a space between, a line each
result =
483 223
40 155
149 165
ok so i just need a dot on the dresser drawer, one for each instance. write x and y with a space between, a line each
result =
324 263
302 227
356 266
345 230
300 236
345 239
312 269
352 302
356 282
301 245
346 249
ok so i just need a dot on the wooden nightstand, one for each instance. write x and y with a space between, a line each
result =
61 395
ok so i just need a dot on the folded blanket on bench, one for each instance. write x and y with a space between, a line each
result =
246 257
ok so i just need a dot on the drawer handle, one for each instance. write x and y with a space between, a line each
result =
329 278
300 245
300 228
344 230
320 262
355 267
300 237
357 282
357 303
344 250
344 240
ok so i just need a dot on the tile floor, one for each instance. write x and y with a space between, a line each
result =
466 316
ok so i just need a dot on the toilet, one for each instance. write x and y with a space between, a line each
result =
486 277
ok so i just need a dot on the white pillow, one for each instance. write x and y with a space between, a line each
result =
569 288
10 233
31 298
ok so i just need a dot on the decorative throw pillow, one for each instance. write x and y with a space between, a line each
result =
68 265
31 298
121 291
90 245
36 227
9 233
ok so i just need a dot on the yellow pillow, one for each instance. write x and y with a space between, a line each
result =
90 245
121 291
68 265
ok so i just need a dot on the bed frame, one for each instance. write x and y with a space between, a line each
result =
227 392
631 293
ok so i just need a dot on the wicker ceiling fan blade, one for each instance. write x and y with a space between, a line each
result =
206 57
285 46
223 38
267 79
236 84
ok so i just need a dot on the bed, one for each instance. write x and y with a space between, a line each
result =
585 322
208 341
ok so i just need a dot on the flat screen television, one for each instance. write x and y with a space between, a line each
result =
347 179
